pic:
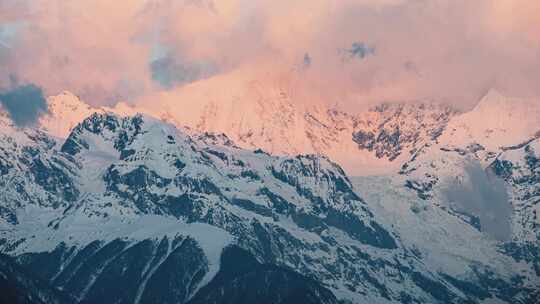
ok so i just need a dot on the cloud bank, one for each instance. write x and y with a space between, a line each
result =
357 51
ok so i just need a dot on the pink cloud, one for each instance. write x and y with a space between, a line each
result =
441 50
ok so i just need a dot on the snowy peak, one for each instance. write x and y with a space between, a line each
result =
375 141
505 112
495 122
369 142
65 111
66 101
493 98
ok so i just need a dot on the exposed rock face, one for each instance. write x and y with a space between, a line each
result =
391 130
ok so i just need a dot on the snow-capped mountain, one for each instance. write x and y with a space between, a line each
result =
375 141
133 204
484 170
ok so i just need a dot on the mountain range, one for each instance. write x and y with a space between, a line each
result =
272 201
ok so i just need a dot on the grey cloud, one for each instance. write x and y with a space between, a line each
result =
24 103
360 50
169 72
306 62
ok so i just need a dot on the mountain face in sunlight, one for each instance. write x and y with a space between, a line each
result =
171 214
377 140
371 142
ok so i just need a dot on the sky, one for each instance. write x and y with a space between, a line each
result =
352 52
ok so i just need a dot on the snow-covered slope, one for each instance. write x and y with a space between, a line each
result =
152 208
